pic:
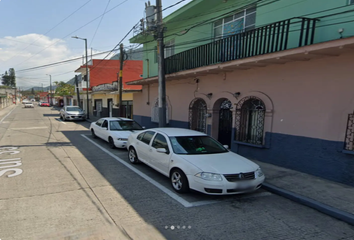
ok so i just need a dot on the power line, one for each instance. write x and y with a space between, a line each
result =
73 32
32 43
180 44
104 12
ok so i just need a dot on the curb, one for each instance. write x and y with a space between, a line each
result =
321 207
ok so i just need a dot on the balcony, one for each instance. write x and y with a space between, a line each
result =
275 37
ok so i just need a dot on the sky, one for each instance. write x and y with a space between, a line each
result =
38 32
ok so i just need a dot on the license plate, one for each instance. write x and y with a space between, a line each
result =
243 185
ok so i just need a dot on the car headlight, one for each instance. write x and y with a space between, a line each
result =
259 173
209 176
122 139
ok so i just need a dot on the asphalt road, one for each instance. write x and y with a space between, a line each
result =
57 182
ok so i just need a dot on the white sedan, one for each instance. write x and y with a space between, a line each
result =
194 160
114 130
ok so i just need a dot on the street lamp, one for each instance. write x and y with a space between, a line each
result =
50 89
87 78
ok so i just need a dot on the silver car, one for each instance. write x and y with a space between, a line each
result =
72 113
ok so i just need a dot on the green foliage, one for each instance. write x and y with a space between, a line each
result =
9 78
64 89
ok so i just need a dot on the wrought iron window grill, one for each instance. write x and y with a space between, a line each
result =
197 115
349 135
249 120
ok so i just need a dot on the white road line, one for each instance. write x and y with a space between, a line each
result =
60 120
28 128
7 115
152 181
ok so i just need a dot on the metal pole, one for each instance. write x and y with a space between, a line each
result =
87 84
120 80
161 67
50 94
77 91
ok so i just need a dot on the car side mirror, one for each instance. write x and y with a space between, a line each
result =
162 150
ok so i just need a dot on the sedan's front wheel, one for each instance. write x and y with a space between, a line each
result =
93 133
179 181
111 143
133 157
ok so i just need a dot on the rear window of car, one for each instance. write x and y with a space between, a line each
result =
147 137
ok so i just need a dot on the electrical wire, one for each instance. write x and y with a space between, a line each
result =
179 45
104 12
73 32
32 43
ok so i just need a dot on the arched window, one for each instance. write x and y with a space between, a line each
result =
197 112
249 125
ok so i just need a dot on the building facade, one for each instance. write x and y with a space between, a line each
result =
104 87
271 79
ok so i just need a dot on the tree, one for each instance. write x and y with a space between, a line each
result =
9 78
64 89
12 77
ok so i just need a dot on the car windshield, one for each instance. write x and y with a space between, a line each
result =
196 145
124 125
71 109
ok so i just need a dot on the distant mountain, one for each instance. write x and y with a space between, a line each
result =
44 89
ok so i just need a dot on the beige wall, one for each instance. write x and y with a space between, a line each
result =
309 98
115 97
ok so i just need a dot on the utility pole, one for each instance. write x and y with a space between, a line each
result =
161 63
121 59
15 95
77 91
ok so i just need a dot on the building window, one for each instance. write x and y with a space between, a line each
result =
236 23
155 112
197 115
169 48
349 134
351 1
127 107
249 125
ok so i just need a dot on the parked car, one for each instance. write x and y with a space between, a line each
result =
28 105
194 160
45 104
72 113
114 130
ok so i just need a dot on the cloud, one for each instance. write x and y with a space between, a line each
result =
32 50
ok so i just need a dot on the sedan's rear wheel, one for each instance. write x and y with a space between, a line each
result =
133 157
179 181
111 143
93 133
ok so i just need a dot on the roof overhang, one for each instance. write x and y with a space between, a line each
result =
315 51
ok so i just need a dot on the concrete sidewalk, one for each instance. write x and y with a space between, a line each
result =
331 198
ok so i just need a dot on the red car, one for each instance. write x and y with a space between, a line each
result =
45 104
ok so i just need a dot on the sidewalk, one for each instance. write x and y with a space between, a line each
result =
5 111
331 198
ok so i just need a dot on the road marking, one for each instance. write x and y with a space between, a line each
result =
152 181
28 128
58 119
7 115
